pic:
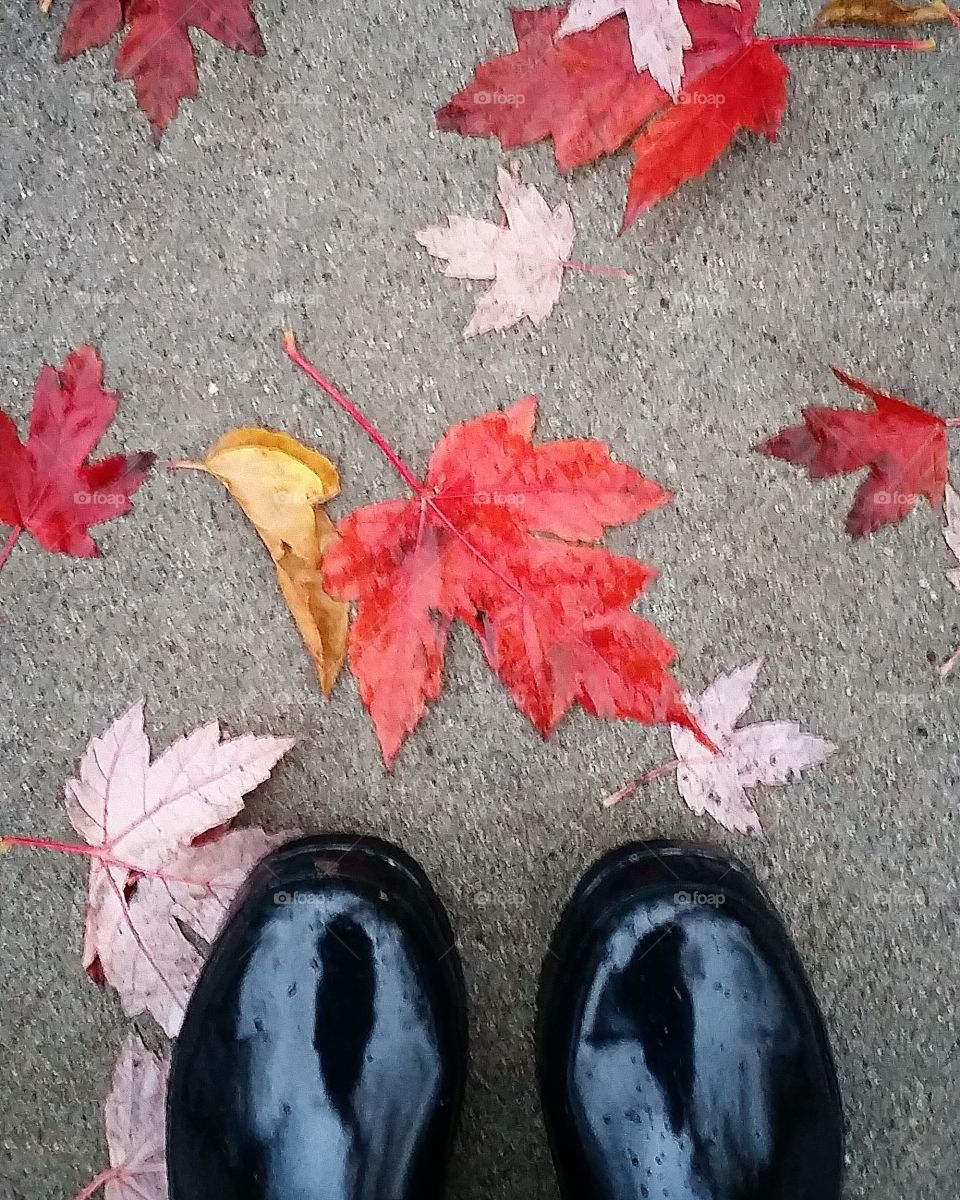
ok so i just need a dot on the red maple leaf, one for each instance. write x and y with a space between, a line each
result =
495 536
904 447
747 91
47 485
585 92
156 53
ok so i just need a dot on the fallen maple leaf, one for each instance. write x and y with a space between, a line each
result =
156 53
880 12
584 91
768 752
142 949
951 535
137 819
47 486
748 92
200 883
135 1119
905 448
951 532
279 482
525 259
658 34
553 617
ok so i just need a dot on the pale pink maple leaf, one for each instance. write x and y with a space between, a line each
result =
768 752
145 957
135 1120
224 865
658 34
951 535
951 531
143 950
525 258
138 816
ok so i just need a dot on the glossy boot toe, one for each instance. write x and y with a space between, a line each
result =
681 1052
323 1053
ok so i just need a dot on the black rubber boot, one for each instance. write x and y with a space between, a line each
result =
323 1053
681 1052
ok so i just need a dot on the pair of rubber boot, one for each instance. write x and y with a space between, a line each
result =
681 1052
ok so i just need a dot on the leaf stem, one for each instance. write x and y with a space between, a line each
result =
9 544
290 346
573 265
96 852
853 43
293 352
951 13
631 785
96 1184
426 497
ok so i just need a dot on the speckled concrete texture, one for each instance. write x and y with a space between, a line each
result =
288 193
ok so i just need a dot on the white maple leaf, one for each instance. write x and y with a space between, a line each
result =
951 532
223 866
144 956
143 950
139 816
135 1120
658 34
525 258
768 752
951 535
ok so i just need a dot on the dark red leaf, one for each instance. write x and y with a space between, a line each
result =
156 53
904 447
90 23
47 485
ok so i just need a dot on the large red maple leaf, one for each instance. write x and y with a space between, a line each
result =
495 536
156 53
46 485
584 91
904 446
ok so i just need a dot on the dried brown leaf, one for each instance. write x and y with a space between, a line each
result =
278 482
880 12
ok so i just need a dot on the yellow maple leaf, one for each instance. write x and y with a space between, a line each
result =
279 483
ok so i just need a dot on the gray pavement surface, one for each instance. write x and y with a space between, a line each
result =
288 193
